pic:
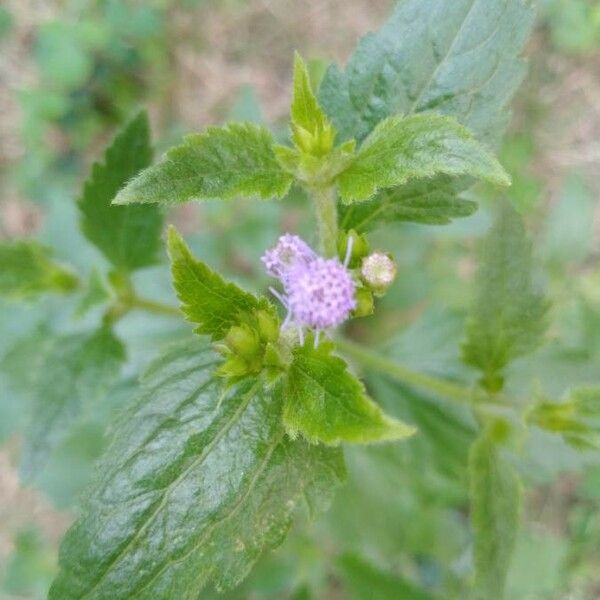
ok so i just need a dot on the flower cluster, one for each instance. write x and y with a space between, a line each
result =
319 292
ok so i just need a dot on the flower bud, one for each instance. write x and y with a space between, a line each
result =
268 326
378 271
242 340
364 302
360 247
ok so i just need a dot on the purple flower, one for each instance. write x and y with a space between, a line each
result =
319 292
289 252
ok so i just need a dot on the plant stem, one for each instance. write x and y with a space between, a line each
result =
325 204
156 308
405 375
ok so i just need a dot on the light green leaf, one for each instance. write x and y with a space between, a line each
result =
95 294
200 478
460 58
27 270
401 149
206 298
364 581
223 162
129 236
428 201
74 373
325 403
311 129
577 419
509 316
495 502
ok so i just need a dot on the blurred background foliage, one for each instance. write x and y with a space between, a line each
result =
71 71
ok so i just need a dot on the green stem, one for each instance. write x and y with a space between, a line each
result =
156 308
326 208
403 374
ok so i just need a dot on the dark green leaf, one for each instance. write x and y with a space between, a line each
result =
199 480
577 419
495 501
401 149
207 299
129 236
460 58
224 162
325 403
429 201
509 316
74 373
365 581
27 270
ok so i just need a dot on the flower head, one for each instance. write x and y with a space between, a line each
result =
378 271
320 294
290 251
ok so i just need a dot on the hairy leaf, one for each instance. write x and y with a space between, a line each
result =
27 270
508 318
74 373
460 58
206 298
325 403
401 149
129 236
428 201
223 162
199 480
495 501
577 419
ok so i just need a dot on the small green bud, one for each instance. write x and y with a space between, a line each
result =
364 302
378 271
268 326
360 247
243 340
234 366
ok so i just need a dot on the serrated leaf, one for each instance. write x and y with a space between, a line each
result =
128 236
206 298
428 201
509 316
198 481
365 581
577 419
495 500
27 270
325 403
74 373
460 58
223 162
401 149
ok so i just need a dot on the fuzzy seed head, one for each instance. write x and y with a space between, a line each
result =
378 270
321 294
289 252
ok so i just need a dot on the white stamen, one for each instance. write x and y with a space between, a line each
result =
348 251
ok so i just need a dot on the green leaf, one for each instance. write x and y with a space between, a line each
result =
460 58
200 478
577 419
509 316
365 581
223 162
401 149
495 501
428 201
73 374
206 298
325 403
128 236
311 129
27 270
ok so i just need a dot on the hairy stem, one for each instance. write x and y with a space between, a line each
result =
403 374
325 204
